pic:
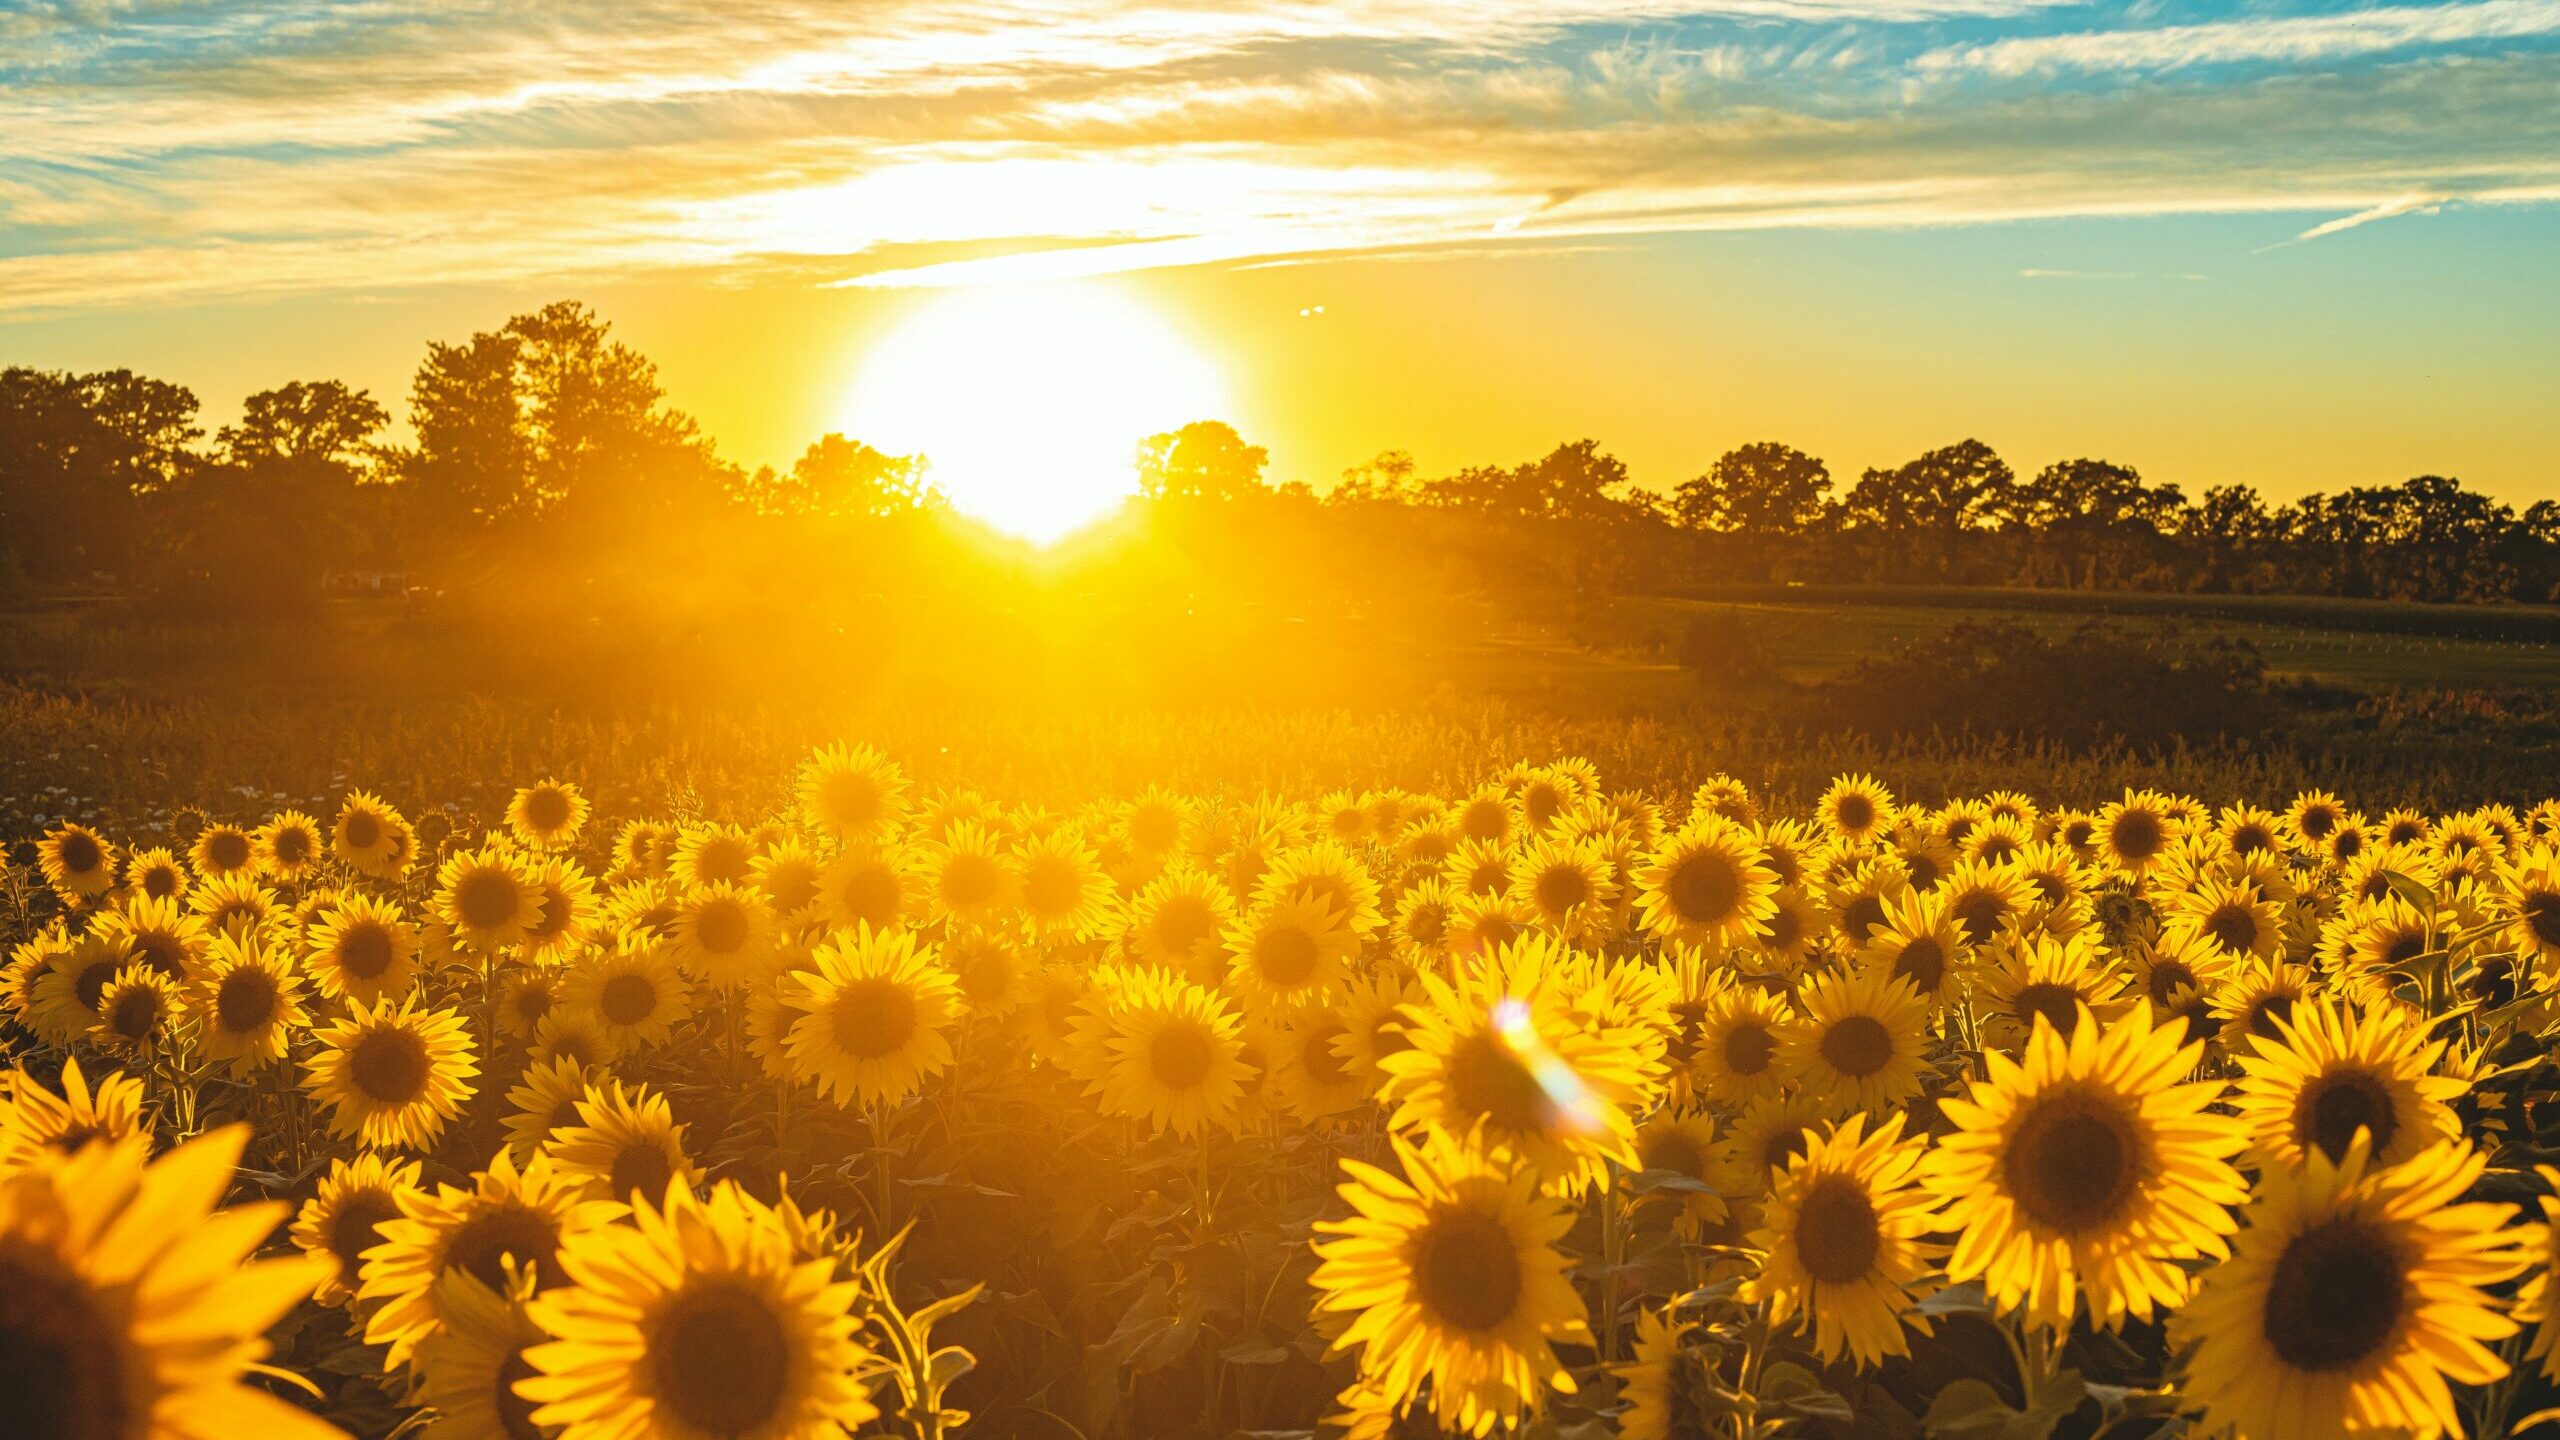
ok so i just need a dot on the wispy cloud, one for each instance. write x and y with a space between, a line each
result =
2035 273
163 150
2388 209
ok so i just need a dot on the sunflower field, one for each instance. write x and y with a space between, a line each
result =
1530 1107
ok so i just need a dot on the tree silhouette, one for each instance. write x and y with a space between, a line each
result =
1763 488
1204 460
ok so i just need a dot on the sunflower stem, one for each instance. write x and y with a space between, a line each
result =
1613 1253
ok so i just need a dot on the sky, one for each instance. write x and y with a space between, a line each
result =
2295 245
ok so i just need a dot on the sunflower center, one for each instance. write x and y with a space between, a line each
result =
1180 1056
1854 813
245 1000
2335 1297
364 950
970 879
1857 1046
627 998
1488 1082
722 1360
1183 921
874 1017
546 809
2403 947
1052 888
481 1246
1837 1237
1317 1057
1426 924
852 800
2265 1011
1286 956
2167 978
643 1167
1861 915
90 985
2058 1003
1923 962
1466 1271
1674 1150
2541 911
356 1228
2072 1163
80 854
292 845
1980 913
2334 1106
390 1066
1782 929
2252 838
161 951
1748 1049
2233 927
1561 888
136 1014
515 1413
160 882
361 830
531 1002
1783 1145
2136 835
721 927
227 849
61 1361
872 896
1704 887
487 899
2319 820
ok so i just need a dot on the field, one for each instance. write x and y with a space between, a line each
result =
1509 1036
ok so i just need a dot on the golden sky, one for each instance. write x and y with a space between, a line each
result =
2295 244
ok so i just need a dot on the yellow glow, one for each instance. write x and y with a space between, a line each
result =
1030 401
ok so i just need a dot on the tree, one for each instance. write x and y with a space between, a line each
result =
76 454
1925 506
1204 460
2097 515
256 525
1763 488
1387 478
837 478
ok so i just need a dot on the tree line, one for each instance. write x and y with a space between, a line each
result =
547 441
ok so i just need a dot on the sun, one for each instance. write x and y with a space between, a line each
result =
1029 401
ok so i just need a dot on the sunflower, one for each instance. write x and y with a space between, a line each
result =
2538 1302
544 1101
1420 929
2311 816
2133 833
467 1370
1706 885
2353 1294
135 1014
371 837
156 873
1479 925
1179 920
1289 951
1681 1142
393 1077
702 1320
2528 894
625 1144
36 1122
569 912
129 1306
2088 1168
1569 884
2332 1070
525 1215
289 846
1374 1024
78 862
881 889
722 934
1308 1070
1922 944
2253 998
1859 897
855 794
1327 871
222 850
1156 822
1855 809
572 1033
1478 867
1172 1055
1455 1280
2052 978
489 897
874 1013
645 848
1843 1236
343 1219
709 853
364 951
548 814
156 932
2231 916
525 996
235 903
1498 1057
1855 1040
633 989
1736 1056
2180 978
249 1002
788 874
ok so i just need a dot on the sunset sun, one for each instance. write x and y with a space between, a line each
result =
1030 402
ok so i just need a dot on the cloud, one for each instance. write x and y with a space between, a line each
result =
2403 205
2291 39
166 152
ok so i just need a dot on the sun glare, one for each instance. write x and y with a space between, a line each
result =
1030 401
